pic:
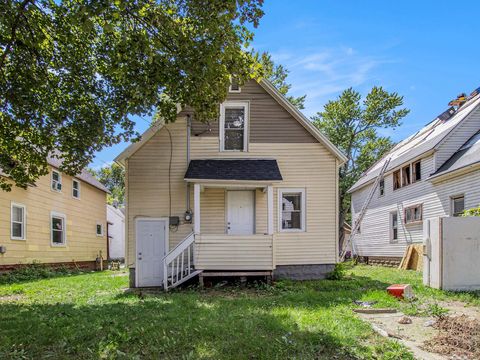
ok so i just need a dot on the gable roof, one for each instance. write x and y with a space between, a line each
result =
280 99
234 169
423 141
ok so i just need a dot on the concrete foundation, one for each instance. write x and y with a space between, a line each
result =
131 277
302 272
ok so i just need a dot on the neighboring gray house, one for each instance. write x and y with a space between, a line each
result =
435 172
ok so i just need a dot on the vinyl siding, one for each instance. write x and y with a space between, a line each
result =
265 116
82 243
457 138
374 239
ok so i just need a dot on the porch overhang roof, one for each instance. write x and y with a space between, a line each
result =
234 170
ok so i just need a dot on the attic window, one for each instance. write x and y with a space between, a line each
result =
382 187
416 171
234 86
406 178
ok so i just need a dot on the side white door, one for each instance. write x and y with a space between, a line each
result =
151 248
240 212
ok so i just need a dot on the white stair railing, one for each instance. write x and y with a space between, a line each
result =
178 263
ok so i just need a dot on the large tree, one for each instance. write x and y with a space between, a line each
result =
277 75
113 177
352 125
73 72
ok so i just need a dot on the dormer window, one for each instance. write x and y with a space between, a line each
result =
234 126
234 86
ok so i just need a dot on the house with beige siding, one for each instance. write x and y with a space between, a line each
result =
433 173
59 220
254 192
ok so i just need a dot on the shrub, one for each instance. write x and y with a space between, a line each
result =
471 212
338 273
34 271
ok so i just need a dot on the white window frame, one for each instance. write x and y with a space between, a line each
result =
79 189
102 228
54 214
58 182
246 106
302 208
24 221
452 199
392 240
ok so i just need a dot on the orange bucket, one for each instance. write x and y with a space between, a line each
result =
401 291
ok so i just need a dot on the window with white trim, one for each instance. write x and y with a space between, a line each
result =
234 86
17 228
234 126
76 189
58 228
458 205
292 209
99 229
56 181
413 214
393 226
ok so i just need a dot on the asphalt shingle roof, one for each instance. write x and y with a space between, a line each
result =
238 169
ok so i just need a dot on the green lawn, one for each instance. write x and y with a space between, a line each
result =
90 316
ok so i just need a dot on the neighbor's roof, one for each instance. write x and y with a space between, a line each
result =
423 141
467 155
84 175
279 97
238 169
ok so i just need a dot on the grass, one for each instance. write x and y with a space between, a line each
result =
89 316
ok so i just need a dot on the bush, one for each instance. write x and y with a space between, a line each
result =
338 273
471 212
34 271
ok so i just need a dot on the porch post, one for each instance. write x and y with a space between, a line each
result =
270 209
196 208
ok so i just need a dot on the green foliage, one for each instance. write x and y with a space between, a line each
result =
471 212
338 273
352 125
72 73
113 177
277 75
436 310
34 271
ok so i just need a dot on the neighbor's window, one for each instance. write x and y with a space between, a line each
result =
417 171
58 235
382 187
406 178
234 122
99 229
458 205
292 209
396 180
56 181
394 226
17 231
413 214
234 86
76 189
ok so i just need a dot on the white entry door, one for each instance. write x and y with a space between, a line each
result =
151 248
240 212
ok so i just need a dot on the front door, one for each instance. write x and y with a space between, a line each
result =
151 248
240 212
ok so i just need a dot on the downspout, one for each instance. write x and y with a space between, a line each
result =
189 130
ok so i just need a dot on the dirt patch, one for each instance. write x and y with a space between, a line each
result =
10 298
457 336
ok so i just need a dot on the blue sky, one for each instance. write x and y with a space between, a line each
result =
427 51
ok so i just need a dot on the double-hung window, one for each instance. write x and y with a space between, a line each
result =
394 226
234 126
76 189
381 187
56 181
17 228
292 209
458 205
58 229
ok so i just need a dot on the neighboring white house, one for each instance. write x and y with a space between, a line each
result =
116 233
435 172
